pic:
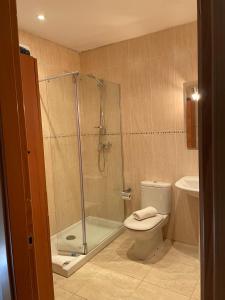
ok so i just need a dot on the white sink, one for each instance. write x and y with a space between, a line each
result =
189 184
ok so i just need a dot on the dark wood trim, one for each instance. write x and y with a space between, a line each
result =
15 167
6 278
10 100
205 147
36 165
218 117
212 146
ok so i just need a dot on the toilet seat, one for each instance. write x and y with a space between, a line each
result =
143 225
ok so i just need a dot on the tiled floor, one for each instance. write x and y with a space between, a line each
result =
111 275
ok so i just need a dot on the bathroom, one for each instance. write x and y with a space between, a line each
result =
115 128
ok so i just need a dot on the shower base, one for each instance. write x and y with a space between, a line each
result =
100 232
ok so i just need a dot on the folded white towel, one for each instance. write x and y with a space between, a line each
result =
145 213
61 260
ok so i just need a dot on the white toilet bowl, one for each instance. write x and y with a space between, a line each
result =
147 235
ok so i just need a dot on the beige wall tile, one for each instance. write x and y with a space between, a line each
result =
163 104
117 55
114 180
112 111
58 118
44 109
186 160
186 219
151 79
162 43
50 185
89 102
61 106
66 181
197 293
139 50
103 189
151 71
164 162
94 61
138 165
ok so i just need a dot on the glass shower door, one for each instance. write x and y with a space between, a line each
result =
100 127
59 119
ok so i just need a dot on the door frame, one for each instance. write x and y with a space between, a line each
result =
205 147
211 30
17 202
6 279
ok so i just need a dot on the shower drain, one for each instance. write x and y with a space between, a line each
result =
71 237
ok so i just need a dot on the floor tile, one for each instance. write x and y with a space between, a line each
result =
176 252
115 258
57 278
177 277
75 297
108 285
106 255
126 267
61 294
173 274
186 254
147 291
76 282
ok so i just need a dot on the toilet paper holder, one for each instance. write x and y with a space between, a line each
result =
126 194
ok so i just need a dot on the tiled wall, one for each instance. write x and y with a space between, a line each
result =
102 189
151 70
58 121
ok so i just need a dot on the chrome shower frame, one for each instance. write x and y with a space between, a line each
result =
75 76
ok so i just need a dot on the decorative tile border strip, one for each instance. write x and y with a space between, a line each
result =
97 134
73 135
123 133
59 136
155 132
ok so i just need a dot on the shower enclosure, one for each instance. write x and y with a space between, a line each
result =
83 156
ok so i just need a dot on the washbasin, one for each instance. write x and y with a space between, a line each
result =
189 184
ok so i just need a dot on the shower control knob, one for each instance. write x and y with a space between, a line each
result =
107 146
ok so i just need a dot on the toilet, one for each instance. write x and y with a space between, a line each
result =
147 234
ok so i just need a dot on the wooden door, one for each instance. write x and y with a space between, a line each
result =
14 158
38 194
211 24
6 291
25 265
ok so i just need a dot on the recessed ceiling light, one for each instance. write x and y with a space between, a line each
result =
41 17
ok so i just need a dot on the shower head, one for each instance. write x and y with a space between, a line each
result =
100 82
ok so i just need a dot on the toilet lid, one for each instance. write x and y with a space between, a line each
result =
145 224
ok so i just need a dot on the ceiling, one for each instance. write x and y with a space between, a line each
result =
87 24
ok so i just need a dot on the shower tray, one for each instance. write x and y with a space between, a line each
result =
100 233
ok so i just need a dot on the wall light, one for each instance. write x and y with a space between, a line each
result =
195 95
41 17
